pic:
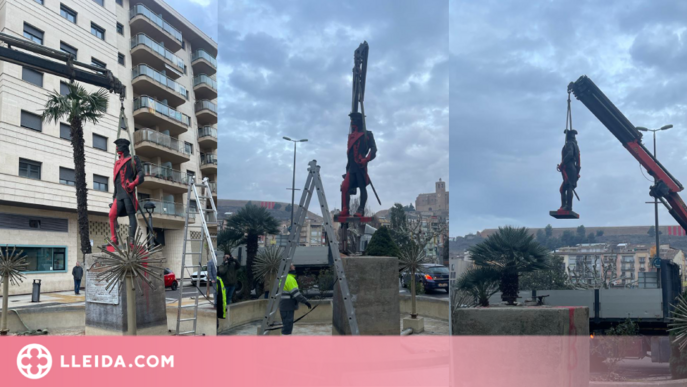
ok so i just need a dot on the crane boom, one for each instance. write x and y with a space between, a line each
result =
667 187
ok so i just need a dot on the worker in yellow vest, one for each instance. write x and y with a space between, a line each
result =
290 297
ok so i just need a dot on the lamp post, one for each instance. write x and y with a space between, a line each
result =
293 184
643 129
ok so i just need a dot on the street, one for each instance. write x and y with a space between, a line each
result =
188 291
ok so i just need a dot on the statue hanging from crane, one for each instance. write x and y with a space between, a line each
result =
570 170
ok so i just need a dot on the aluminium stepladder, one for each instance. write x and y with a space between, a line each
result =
313 183
208 216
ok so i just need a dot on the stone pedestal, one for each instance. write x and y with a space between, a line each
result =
416 324
106 311
521 321
373 283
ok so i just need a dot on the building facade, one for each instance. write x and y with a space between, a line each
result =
168 67
433 202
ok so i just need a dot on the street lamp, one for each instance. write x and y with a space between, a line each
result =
293 185
643 129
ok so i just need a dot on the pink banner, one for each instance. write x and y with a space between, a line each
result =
297 361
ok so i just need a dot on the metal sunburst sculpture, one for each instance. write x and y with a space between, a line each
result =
12 263
679 322
137 260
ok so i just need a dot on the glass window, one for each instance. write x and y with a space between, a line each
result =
32 76
68 49
67 176
44 258
191 176
120 29
120 2
189 147
100 183
39 2
30 169
65 131
31 121
68 13
64 88
120 59
98 63
100 2
33 34
99 142
97 31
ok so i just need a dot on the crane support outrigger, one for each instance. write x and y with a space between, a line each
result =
667 187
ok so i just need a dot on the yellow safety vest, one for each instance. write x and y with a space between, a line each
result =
221 290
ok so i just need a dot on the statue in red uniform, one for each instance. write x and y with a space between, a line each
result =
361 150
128 173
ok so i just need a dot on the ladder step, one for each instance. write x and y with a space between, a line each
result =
187 319
186 333
194 240
188 306
192 266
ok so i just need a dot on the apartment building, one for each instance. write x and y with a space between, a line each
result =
168 66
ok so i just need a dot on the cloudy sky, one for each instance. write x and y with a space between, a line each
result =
285 70
511 62
202 13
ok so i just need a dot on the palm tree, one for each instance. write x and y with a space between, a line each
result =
249 223
481 283
512 251
12 263
77 107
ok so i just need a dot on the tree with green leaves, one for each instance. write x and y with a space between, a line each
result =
398 219
652 231
548 231
512 251
481 283
581 233
248 224
381 244
553 278
78 106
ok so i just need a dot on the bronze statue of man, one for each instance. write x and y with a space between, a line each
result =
128 173
361 150
569 168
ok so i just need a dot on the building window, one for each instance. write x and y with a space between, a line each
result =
191 176
100 2
39 2
97 31
65 131
64 88
32 76
120 29
30 169
120 2
31 121
68 49
120 59
188 147
100 183
68 13
98 63
67 176
43 259
33 34
99 142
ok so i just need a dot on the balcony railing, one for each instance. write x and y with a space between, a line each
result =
143 39
207 131
165 173
145 70
201 54
205 104
213 187
208 159
161 139
166 208
202 78
140 9
150 103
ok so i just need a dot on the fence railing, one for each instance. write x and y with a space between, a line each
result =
140 9
207 131
202 54
143 39
161 139
145 70
205 104
150 103
166 208
165 173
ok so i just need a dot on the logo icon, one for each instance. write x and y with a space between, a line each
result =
34 361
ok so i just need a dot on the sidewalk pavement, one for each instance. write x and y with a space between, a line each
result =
47 299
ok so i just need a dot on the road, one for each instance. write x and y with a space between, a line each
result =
188 291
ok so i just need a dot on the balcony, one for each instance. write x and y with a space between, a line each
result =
202 62
167 215
213 188
207 137
208 164
142 19
204 87
149 143
206 112
148 81
151 113
146 50
164 178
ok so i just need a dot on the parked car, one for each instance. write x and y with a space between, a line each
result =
433 277
170 279
203 276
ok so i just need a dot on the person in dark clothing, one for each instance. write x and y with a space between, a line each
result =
228 272
128 173
77 273
288 304
569 168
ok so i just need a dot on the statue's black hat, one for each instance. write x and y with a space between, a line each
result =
122 142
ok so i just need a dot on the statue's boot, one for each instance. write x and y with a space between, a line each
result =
569 198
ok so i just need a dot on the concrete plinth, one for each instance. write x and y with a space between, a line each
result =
521 321
106 312
373 283
416 324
